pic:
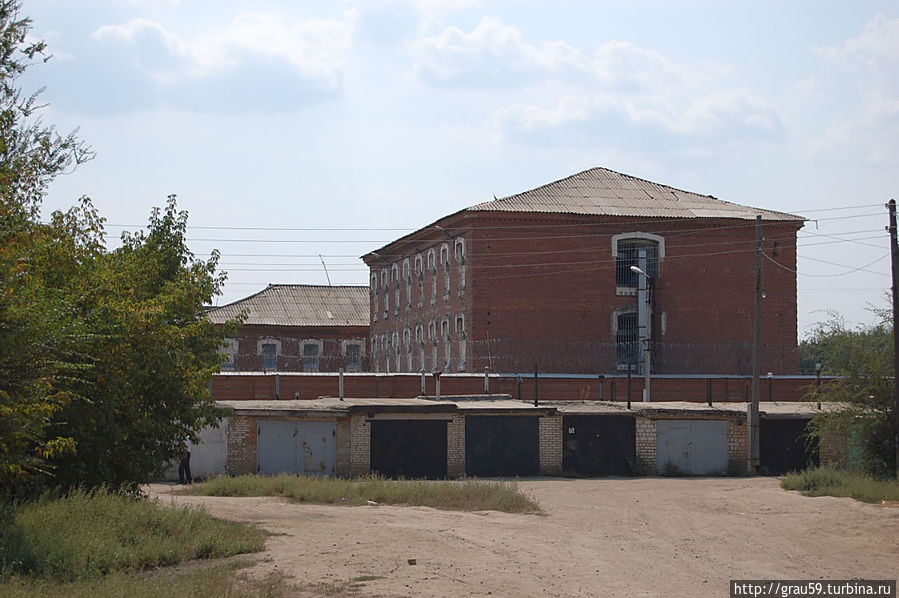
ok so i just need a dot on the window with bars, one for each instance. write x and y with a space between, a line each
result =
628 254
627 340
311 353
354 357
269 356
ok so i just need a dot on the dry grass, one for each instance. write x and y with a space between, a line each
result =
86 536
826 481
467 495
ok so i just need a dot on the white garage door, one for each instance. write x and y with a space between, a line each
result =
296 446
693 446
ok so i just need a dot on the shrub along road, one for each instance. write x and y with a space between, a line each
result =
600 537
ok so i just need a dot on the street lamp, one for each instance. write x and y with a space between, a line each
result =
644 318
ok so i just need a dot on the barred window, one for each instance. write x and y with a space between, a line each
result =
627 339
629 255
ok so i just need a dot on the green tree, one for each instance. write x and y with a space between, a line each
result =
31 154
152 352
863 358
38 328
104 355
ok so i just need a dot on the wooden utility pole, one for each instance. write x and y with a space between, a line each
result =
753 412
894 254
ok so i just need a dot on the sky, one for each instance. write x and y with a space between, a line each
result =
302 135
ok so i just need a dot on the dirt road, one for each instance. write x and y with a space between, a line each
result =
603 537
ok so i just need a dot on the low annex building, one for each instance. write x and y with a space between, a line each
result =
484 436
551 278
298 328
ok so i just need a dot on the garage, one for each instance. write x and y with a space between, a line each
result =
782 445
691 446
303 447
409 448
598 445
497 445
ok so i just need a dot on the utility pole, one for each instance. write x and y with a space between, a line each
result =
753 413
644 317
894 254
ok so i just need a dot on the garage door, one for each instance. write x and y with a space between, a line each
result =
296 446
409 448
782 446
502 445
598 444
695 447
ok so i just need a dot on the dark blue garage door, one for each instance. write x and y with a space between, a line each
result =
409 448
501 445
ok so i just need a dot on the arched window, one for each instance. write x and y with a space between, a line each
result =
460 325
459 249
626 249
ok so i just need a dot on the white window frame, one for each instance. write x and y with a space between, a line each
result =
318 357
268 341
634 236
344 352
459 249
230 348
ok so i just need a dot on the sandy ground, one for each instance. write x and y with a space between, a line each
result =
601 537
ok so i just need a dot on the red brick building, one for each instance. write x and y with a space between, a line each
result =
298 328
544 277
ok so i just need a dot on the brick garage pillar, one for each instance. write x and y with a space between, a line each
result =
360 446
646 448
832 449
241 445
455 447
344 443
551 445
737 446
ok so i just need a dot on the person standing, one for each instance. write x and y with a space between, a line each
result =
184 476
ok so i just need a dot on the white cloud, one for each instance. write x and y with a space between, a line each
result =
617 84
873 133
314 49
492 53
432 11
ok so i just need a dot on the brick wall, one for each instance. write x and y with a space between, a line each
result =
234 387
403 300
534 308
455 447
550 445
360 446
344 446
737 446
290 357
241 445
832 449
646 442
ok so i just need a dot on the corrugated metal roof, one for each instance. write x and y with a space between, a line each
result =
300 305
601 191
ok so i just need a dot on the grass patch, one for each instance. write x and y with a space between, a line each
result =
467 495
86 536
220 581
826 481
